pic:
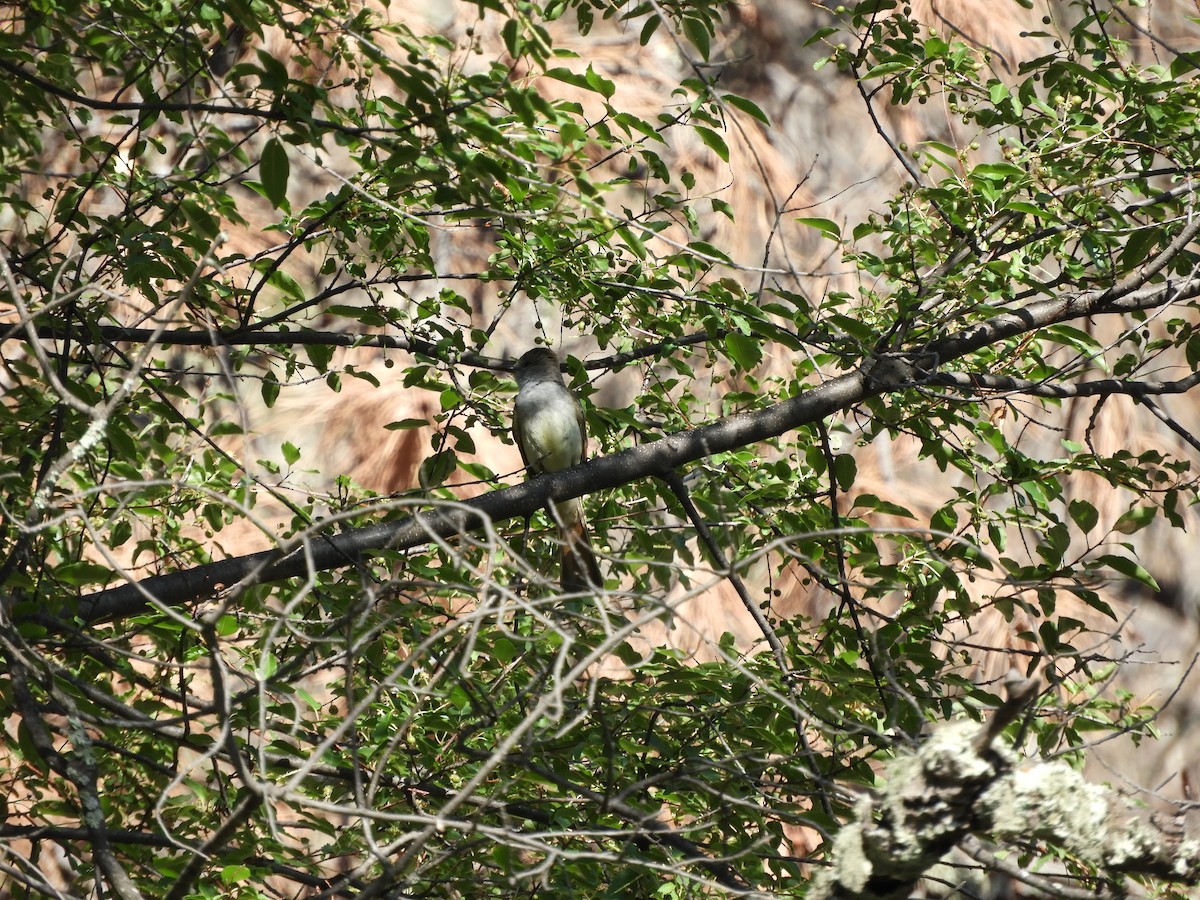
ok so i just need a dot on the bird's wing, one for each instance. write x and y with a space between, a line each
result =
582 428
519 436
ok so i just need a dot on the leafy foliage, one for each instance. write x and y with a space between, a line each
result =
211 210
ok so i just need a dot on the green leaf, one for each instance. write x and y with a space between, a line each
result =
889 68
820 34
84 572
1032 209
122 531
827 227
286 284
648 29
235 873
291 453
944 521
1130 569
437 469
845 470
268 665
274 168
885 507
697 33
864 229
630 237
1083 514
599 83
1182 64
513 40
270 389
1075 338
713 141
28 746
746 106
709 250
1135 519
405 424
558 73
449 399
319 355
1002 172
745 350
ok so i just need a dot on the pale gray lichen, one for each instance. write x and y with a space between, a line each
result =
1048 801
955 785
854 868
1187 859
924 809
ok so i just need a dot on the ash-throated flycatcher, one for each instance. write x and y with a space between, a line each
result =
549 429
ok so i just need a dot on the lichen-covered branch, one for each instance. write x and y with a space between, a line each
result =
957 785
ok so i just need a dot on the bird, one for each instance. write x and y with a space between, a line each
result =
550 432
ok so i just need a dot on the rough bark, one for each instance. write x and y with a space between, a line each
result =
960 783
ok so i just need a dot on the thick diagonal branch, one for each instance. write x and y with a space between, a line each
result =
959 783
328 551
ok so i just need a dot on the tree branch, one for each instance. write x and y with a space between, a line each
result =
271 114
326 551
970 381
958 783
318 552
1053 310
253 336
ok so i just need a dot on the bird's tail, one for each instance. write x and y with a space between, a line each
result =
580 571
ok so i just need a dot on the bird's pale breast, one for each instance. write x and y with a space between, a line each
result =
550 427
